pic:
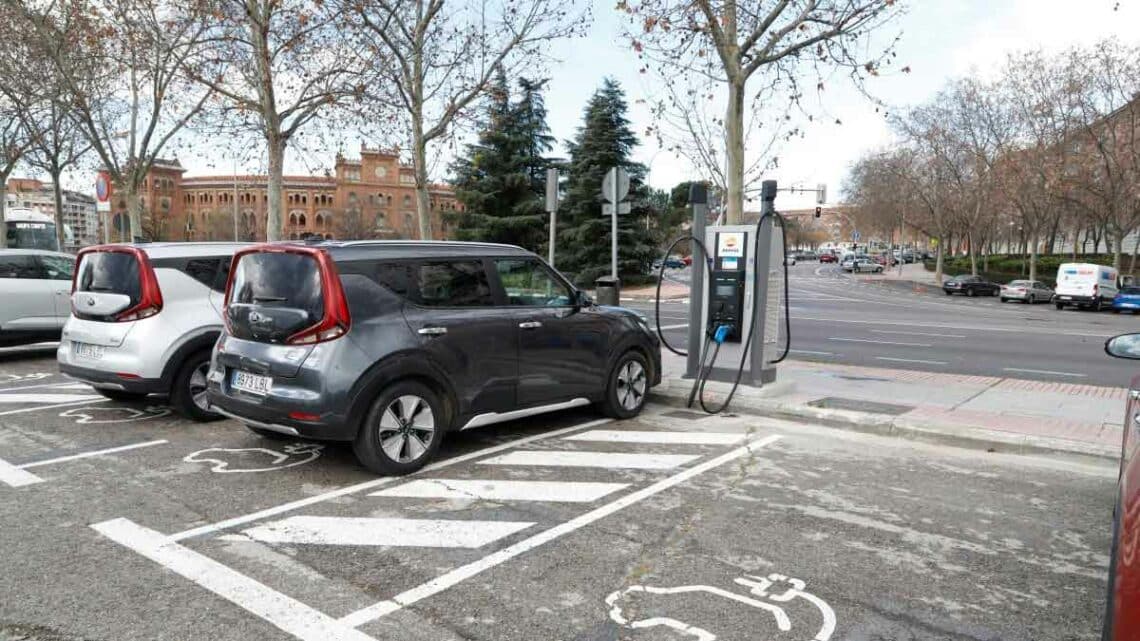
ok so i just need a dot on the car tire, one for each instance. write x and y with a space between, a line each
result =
1115 311
1031 300
269 434
1060 306
970 292
391 438
121 395
948 293
1097 306
188 391
627 386
1004 299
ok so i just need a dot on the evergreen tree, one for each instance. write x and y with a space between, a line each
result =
604 140
501 179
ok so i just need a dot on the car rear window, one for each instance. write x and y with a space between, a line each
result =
110 273
274 279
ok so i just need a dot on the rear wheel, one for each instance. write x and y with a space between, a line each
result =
1031 300
628 387
121 395
402 431
1097 305
1004 299
188 391
948 293
970 292
1060 305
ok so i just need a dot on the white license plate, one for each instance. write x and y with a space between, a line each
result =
251 383
1065 297
87 350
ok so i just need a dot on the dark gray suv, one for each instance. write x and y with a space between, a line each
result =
391 344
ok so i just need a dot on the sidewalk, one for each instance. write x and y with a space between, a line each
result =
984 412
670 290
914 277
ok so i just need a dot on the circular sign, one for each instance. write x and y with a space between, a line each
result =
103 188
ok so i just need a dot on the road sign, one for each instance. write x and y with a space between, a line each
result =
103 187
551 190
608 209
855 235
820 194
622 177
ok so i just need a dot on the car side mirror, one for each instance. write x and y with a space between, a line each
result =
1123 346
582 299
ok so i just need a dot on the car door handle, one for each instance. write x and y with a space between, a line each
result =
530 325
432 331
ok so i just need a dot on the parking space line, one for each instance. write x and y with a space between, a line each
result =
47 398
360 487
493 490
286 613
15 476
340 530
611 460
462 573
674 438
82 455
36 408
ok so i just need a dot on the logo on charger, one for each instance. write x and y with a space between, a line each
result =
730 244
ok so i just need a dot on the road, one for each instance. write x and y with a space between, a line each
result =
123 522
844 319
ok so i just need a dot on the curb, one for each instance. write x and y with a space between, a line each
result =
992 441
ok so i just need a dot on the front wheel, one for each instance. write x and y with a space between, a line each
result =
1004 299
1060 305
970 293
402 431
188 392
627 388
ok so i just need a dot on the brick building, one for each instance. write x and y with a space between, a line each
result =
369 197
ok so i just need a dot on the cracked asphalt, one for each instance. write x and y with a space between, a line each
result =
817 534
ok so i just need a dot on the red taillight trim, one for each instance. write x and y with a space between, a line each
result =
126 376
336 320
304 416
150 294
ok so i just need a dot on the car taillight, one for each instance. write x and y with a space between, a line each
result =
150 294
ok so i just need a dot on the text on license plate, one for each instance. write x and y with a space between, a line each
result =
87 350
251 383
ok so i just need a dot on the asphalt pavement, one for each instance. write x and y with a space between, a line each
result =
123 522
839 318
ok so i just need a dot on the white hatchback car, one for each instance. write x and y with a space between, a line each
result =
144 319
34 285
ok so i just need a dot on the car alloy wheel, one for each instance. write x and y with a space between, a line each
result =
198 386
631 384
406 428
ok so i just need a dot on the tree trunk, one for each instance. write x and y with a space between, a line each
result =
1135 250
419 165
1117 247
273 224
134 213
57 192
973 254
734 148
3 208
1033 258
938 260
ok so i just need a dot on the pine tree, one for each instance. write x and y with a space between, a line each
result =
604 140
501 179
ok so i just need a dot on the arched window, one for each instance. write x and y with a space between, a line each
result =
302 220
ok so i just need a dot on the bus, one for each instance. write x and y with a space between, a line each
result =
29 229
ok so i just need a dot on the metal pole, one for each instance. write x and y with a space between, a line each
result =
553 227
235 203
552 207
699 199
614 225
765 306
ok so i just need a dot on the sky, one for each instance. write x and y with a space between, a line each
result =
940 40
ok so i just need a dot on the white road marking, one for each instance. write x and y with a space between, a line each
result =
883 331
676 438
47 398
810 351
286 613
462 573
1020 330
15 477
490 490
615 460
866 340
360 487
909 360
1041 371
110 450
36 408
67 385
337 530
668 327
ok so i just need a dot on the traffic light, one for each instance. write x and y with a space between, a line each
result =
818 211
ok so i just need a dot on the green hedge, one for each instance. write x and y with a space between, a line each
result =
1003 269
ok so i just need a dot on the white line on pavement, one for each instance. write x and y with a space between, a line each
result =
341 530
360 487
491 490
1020 330
15 477
47 398
65 385
811 351
668 327
1041 371
462 573
673 438
286 613
110 450
610 460
884 331
24 410
909 360
866 340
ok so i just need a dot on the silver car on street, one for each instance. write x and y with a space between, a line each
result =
1026 291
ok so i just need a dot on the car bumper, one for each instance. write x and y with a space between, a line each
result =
272 412
113 381
1015 295
1127 305
1075 300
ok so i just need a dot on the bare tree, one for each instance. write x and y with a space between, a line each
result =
14 142
438 58
278 65
728 43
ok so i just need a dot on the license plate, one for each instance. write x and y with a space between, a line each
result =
87 350
1065 297
252 383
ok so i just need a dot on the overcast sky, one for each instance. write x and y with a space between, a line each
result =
941 39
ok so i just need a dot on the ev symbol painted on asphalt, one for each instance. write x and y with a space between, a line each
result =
226 460
113 414
665 608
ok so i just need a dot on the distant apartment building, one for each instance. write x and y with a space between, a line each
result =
79 215
372 196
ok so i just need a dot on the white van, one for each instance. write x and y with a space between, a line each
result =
1085 285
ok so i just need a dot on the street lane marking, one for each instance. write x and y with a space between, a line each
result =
811 351
667 327
338 530
462 573
13 476
883 331
1021 330
612 460
109 450
1041 371
866 340
36 408
47 398
360 487
673 438
287 614
554 491
909 360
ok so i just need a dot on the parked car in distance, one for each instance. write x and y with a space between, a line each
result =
1122 617
790 259
970 286
391 344
827 257
861 265
1026 291
1085 286
809 255
35 285
1127 299
687 260
144 319
886 260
